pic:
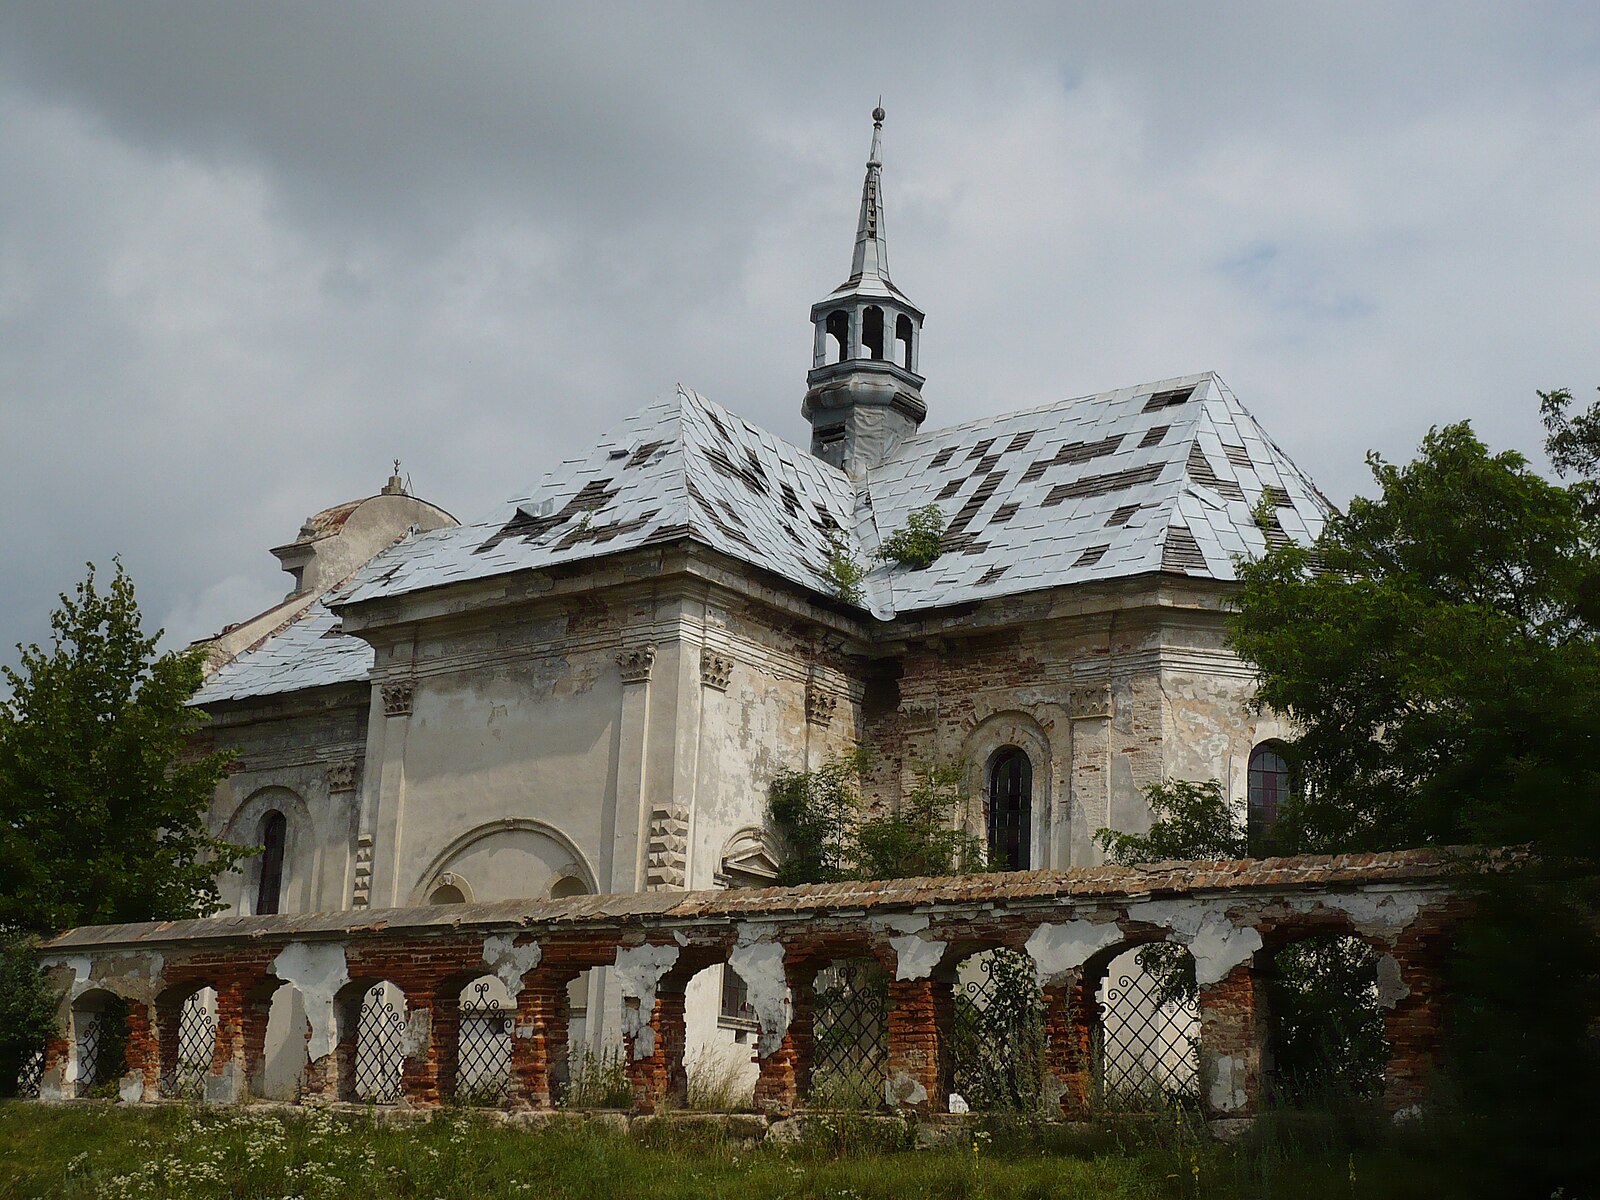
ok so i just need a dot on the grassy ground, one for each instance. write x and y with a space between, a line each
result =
143 1154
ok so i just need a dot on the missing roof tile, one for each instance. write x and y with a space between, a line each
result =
992 574
1004 513
942 457
950 489
1019 442
981 448
1237 455
1122 515
1099 485
1200 470
1168 399
1153 438
1091 556
1277 497
1180 552
641 455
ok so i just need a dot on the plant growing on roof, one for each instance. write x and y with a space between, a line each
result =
843 571
916 544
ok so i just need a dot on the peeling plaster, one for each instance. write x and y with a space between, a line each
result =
318 970
510 962
1391 986
915 956
1227 1091
1217 944
758 960
902 1090
1058 948
1376 914
638 970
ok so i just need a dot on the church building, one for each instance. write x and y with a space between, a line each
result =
592 689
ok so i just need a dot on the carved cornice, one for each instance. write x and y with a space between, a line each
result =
397 697
715 670
342 775
635 662
820 705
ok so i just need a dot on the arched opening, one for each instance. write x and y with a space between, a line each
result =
380 1045
483 1052
850 1034
1148 1033
721 1029
1326 1039
447 893
838 328
1010 809
284 1047
100 1042
189 1038
902 341
567 886
872 331
1269 784
274 832
997 1043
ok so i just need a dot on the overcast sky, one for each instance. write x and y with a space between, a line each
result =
251 253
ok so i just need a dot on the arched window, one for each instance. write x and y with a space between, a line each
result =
1269 787
447 893
872 331
902 339
838 336
274 830
1010 808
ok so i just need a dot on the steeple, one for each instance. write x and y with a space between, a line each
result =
863 393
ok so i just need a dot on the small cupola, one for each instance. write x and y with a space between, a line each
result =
864 392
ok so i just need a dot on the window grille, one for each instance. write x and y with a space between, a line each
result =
184 1073
380 1046
483 1065
1149 1046
997 1048
850 1035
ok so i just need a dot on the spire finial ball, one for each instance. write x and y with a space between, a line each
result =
877 116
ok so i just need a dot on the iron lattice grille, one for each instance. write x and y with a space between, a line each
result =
185 1075
31 1075
380 1047
850 1035
998 1044
1148 1039
93 1032
483 1064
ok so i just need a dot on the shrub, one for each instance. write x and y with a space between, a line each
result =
843 572
917 543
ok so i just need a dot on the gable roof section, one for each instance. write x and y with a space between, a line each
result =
1161 477
682 467
309 652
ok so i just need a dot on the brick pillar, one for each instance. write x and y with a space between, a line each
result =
144 1049
1233 1028
661 1074
168 1021
1414 1027
1071 1014
228 1081
539 1040
257 1011
784 1076
332 1077
429 1070
921 1012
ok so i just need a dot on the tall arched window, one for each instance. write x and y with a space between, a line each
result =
838 326
1269 787
902 338
274 830
1010 808
872 331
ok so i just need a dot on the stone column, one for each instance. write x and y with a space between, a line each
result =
1233 1029
784 1076
539 1040
921 1012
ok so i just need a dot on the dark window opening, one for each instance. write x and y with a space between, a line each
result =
902 341
872 331
274 828
838 330
1268 788
735 997
1010 809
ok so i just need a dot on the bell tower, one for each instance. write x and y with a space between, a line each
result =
863 392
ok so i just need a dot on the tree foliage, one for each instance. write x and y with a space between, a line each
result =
918 542
828 838
1187 821
102 804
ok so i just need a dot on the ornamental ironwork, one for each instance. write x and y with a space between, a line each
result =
31 1076
1148 1034
850 1035
380 1047
183 1076
483 1062
997 1052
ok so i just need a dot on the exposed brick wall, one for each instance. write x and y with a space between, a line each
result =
918 929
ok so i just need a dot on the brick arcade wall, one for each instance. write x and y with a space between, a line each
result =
1231 916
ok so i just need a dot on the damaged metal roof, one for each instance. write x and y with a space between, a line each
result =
1174 476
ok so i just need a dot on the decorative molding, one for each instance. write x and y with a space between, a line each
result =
715 670
820 705
667 864
1088 701
397 697
635 662
342 775
361 894
236 766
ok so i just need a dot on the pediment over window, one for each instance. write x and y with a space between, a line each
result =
748 860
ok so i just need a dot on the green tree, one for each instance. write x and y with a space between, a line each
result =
924 837
102 802
814 813
1438 648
